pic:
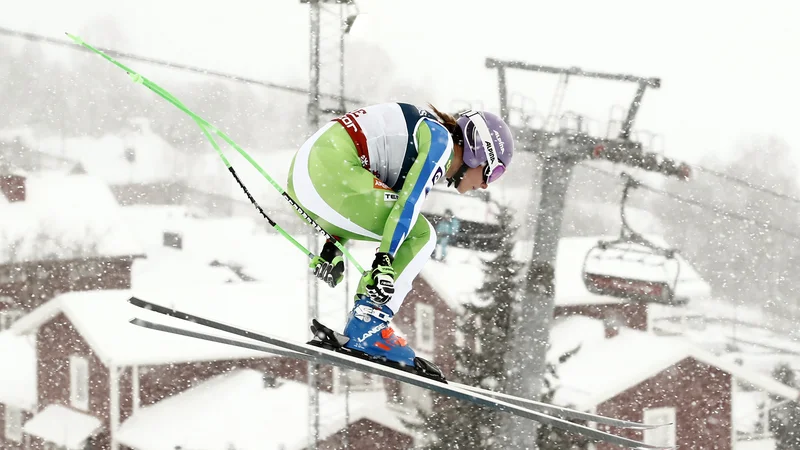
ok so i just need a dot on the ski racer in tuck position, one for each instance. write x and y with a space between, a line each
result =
364 176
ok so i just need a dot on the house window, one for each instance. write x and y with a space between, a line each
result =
425 326
661 436
173 240
13 424
416 397
79 382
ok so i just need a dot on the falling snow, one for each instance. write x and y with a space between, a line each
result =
637 259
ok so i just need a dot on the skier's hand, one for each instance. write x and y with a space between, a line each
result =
329 272
380 286
329 266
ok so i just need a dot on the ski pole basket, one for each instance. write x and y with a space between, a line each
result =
632 267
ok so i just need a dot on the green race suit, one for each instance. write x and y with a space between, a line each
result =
365 175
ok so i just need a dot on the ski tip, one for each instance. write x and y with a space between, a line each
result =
139 302
144 304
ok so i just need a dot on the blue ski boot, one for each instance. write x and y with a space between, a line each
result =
367 335
369 332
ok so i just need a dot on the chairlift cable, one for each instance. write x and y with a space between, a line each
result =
706 206
746 183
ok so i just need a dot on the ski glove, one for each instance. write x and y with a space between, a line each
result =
329 265
380 285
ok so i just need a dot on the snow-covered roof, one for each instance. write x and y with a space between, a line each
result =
18 373
64 216
571 333
236 410
65 427
205 238
106 157
102 317
593 374
457 278
167 266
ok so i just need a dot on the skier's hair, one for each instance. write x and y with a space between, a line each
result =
447 120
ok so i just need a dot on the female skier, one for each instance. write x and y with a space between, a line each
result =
365 175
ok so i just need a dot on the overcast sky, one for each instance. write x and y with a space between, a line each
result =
727 71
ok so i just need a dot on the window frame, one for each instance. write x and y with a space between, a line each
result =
658 436
16 434
76 363
425 321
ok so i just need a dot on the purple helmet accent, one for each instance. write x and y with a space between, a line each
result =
487 140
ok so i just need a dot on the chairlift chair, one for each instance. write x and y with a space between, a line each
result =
608 267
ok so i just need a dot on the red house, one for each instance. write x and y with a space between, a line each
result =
63 234
639 376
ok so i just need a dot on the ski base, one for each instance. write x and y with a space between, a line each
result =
329 339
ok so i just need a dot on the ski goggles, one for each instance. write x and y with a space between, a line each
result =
491 175
478 131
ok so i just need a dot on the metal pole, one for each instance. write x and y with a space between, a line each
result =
313 122
501 77
313 368
535 310
625 133
346 442
343 21
314 69
576 71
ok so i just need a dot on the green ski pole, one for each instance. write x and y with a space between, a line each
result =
209 129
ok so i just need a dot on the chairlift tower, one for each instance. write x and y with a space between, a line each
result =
561 143
329 22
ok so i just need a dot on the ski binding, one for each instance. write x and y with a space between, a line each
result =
329 339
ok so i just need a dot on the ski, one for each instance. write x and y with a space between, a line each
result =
560 411
329 339
316 354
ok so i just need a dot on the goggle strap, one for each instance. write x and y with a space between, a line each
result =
486 137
